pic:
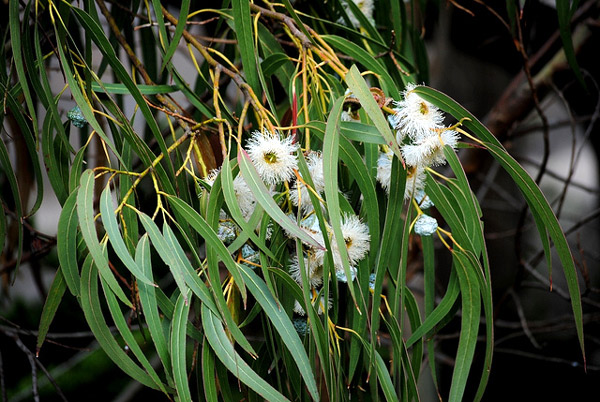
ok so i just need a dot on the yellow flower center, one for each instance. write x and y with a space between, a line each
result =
270 157
423 108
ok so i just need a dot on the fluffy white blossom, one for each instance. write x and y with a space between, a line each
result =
244 196
299 193
414 117
273 156
356 237
212 176
429 150
415 181
314 270
384 169
299 310
415 175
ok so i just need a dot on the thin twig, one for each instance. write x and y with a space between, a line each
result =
555 175
523 319
546 358
582 222
31 358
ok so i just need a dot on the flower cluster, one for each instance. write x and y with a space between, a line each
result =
421 136
356 239
275 159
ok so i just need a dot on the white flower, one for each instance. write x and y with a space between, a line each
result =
299 193
415 117
314 270
415 176
272 156
356 237
384 169
415 181
212 176
429 151
425 225
299 310
244 196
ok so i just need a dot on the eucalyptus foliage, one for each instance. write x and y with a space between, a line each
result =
156 223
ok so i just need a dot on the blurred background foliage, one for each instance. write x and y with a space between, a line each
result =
505 62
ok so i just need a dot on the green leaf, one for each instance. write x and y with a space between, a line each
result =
283 325
150 304
359 88
125 331
183 277
330 177
31 143
271 64
122 89
391 233
290 9
208 373
243 31
366 59
353 131
217 338
469 327
85 213
97 34
184 8
55 295
66 243
178 346
14 18
565 13
385 380
90 304
533 195
210 237
438 314
14 188
114 235
248 228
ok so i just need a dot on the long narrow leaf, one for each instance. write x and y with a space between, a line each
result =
178 346
85 213
535 198
55 295
114 235
217 338
284 327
